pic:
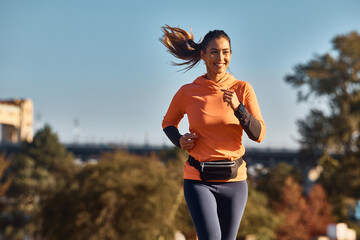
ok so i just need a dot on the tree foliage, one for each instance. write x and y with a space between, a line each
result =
335 79
272 183
304 218
292 209
39 169
4 181
319 211
330 136
259 219
122 197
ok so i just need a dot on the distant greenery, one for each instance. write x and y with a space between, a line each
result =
123 196
41 168
5 184
330 135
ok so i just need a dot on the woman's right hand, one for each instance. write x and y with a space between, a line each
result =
187 141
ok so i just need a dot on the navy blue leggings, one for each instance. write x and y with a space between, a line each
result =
216 208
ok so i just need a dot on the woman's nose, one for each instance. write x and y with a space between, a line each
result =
221 56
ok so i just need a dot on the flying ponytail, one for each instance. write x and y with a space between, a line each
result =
181 44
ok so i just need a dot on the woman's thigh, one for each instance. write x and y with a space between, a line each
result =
202 206
216 208
231 201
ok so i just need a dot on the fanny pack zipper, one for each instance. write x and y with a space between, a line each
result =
216 164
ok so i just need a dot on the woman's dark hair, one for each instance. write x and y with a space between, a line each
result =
181 44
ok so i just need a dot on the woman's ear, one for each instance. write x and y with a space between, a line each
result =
202 54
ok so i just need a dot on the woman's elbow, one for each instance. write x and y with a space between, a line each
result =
261 135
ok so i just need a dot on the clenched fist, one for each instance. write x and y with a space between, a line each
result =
231 98
187 141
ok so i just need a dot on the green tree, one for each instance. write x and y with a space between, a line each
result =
319 211
334 79
4 181
175 159
292 209
123 196
273 181
259 219
330 135
304 217
39 169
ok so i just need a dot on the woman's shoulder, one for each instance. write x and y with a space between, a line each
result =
241 84
192 85
187 87
185 90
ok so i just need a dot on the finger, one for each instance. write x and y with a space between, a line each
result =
189 134
186 137
187 147
187 141
227 98
227 93
226 90
191 137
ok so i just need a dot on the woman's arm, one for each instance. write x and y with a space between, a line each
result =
171 122
185 142
250 124
173 134
250 118
248 111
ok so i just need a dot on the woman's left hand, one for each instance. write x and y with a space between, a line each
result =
231 98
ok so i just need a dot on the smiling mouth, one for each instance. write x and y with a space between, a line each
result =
219 65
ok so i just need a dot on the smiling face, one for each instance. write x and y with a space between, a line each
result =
217 58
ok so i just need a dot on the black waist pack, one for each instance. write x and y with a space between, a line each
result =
216 170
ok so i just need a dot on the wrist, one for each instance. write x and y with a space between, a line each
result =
240 108
237 107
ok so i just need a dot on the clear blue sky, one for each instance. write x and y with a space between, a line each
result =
101 61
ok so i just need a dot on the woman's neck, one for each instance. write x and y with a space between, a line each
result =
215 77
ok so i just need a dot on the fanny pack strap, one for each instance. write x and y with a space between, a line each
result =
196 164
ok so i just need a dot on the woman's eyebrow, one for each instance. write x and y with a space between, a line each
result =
218 49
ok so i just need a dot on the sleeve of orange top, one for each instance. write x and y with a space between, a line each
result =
175 111
252 106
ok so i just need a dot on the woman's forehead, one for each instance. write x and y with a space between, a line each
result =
219 43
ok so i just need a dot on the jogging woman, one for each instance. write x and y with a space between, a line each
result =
219 108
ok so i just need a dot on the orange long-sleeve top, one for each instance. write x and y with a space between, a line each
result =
219 133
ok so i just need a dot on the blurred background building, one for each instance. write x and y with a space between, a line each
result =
16 119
